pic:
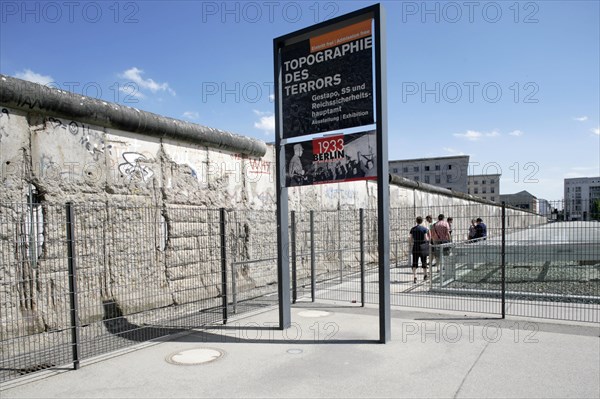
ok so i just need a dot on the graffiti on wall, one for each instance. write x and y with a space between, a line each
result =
91 141
343 194
255 166
266 197
133 168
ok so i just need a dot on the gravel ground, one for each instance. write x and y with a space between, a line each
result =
569 279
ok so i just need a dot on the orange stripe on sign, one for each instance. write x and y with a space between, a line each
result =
341 36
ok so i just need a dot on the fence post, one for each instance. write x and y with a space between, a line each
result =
312 256
223 263
71 256
234 286
361 224
340 253
294 274
503 264
440 264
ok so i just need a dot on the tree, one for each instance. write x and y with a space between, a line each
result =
595 210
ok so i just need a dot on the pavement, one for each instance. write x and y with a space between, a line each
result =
332 350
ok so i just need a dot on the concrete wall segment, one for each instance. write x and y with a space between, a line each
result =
33 97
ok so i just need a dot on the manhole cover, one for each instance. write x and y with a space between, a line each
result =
313 313
195 356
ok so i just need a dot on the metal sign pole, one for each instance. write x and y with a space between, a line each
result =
383 193
283 265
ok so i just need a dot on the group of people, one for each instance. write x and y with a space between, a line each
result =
428 240
477 230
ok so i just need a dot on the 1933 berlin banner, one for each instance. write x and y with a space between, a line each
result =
327 81
332 159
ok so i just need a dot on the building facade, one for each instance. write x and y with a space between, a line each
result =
446 172
544 207
484 186
522 199
582 198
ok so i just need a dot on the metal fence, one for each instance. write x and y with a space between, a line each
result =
77 281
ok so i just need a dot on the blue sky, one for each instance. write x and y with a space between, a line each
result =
515 85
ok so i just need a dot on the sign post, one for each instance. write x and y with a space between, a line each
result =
324 83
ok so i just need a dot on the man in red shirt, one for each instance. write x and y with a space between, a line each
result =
440 234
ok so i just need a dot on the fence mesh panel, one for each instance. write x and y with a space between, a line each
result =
252 248
34 289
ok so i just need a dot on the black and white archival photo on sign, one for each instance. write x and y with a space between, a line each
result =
332 159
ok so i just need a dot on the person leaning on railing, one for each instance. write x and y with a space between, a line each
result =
472 229
480 230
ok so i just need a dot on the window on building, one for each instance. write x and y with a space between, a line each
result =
416 178
476 181
437 166
448 178
493 198
492 190
484 197
475 190
468 191
483 182
395 170
426 179
438 180
405 169
415 168
449 166
492 181
426 168
483 190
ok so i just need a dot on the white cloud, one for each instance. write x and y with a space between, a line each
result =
470 135
266 123
516 133
130 91
191 115
596 131
271 98
473 135
135 75
581 118
31 76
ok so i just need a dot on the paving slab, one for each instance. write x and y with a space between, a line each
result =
332 350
